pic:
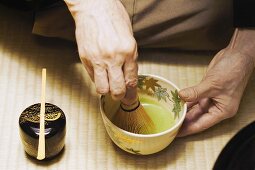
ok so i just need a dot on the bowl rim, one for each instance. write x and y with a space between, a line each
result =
155 134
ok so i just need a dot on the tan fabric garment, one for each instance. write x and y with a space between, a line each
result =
177 24
55 21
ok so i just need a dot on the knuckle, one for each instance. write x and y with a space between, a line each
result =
135 56
188 118
116 63
197 127
102 90
98 64
124 48
131 67
132 82
231 112
118 93
195 92
128 47
109 52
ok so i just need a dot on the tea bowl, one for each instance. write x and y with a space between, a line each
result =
168 113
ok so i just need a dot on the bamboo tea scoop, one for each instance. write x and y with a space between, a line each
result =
41 145
42 127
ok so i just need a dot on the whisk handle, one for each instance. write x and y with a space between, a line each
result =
131 97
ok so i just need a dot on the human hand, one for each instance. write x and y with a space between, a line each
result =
218 95
106 44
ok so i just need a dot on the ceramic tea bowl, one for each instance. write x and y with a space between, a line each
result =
162 93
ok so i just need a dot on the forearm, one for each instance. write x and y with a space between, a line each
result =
243 41
77 7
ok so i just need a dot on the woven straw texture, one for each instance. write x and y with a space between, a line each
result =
88 147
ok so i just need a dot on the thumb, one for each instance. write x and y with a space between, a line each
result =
195 93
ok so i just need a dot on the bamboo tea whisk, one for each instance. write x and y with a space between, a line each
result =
131 116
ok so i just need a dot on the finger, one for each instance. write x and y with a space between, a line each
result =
191 104
196 111
131 71
205 104
193 113
202 123
195 93
130 74
200 108
117 82
88 66
101 80
90 72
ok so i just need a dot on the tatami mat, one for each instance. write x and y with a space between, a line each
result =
88 147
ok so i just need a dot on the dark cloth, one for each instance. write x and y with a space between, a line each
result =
244 13
27 4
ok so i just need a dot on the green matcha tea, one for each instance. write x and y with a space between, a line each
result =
159 114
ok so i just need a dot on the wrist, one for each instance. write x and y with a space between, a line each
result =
89 7
249 57
243 42
75 6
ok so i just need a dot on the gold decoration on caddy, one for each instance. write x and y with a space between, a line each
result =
31 114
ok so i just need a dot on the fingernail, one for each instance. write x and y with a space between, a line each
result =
184 93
